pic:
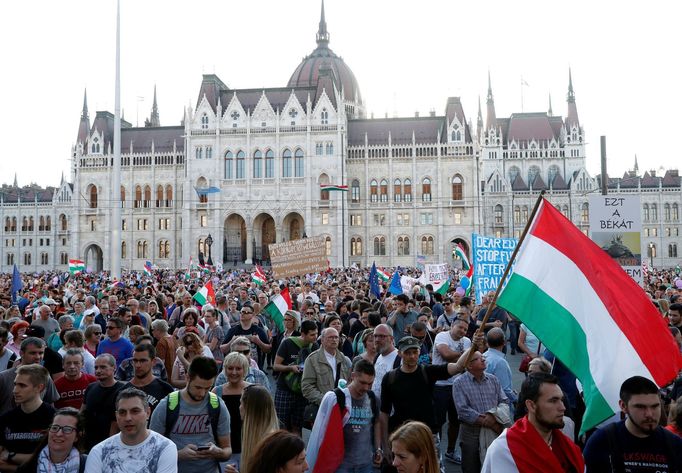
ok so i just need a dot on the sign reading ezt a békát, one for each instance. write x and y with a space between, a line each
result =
298 257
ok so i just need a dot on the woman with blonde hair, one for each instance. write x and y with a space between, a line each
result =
190 347
235 367
259 419
413 449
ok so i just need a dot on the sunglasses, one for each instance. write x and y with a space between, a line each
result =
244 352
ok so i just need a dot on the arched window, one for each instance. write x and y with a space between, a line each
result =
142 249
403 246
397 190
645 211
10 259
123 197
63 223
159 196
229 158
524 213
654 213
652 250
44 259
269 164
164 249
666 212
41 224
63 258
672 250
499 215
426 190
517 214
324 179
383 189
286 163
14 224
48 223
373 191
564 210
138 197
324 116
328 246
24 224
257 164
298 163
380 246
356 246
202 184
457 188
8 224
204 122
27 258
93 196
124 250
355 191
202 247
675 213
585 213
427 245
240 171
407 190
147 197
169 195
30 224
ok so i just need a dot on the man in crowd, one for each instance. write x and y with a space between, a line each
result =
291 354
638 444
135 448
46 321
32 351
448 317
498 316
117 346
388 358
22 428
448 348
361 428
194 418
126 369
476 392
256 335
144 379
75 339
402 317
324 367
71 387
99 402
675 315
496 363
91 304
536 439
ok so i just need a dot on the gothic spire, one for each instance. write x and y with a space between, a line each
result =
84 113
84 125
549 111
571 95
479 119
154 118
636 167
322 33
491 119
572 115
16 184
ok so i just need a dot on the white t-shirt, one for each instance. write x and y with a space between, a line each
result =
331 359
383 365
156 454
444 338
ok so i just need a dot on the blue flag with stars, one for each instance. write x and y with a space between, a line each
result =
374 281
396 288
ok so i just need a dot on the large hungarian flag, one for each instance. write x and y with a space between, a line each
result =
76 266
588 312
205 295
277 307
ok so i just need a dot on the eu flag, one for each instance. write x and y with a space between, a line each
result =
396 288
17 285
374 281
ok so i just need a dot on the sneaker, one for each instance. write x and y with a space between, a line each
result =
450 456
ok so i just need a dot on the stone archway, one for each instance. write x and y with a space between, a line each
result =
234 240
293 226
94 258
460 241
264 233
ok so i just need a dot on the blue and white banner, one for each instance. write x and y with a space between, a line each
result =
490 257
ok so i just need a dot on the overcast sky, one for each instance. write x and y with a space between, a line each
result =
407 56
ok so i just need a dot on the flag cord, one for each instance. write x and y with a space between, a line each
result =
491 304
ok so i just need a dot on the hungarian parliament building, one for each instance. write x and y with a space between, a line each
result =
247 166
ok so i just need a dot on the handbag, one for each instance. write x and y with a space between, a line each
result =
523 367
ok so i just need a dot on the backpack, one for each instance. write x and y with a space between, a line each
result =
341 401
173 413
394 372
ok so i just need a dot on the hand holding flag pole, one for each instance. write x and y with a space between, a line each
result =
491 304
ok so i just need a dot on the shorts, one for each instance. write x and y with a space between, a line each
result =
289 407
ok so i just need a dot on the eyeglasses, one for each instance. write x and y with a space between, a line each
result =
67 429
310 313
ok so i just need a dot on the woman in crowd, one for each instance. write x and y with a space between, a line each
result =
59 452
93 334
190 346
369 347
528 343
413 449
154 311
56 340
214 332
165 343
190 318
259 419
236 367
280 452
135 332
18 331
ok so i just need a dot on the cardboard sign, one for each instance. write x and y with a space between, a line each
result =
298 257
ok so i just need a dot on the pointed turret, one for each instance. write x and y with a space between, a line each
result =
479 120
549 111
572 115
16 183
636 169
84 126
154 118
322 33
491 119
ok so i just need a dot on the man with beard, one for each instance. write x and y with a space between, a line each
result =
144 379
535 442
638 444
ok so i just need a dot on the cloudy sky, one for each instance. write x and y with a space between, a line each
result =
407 56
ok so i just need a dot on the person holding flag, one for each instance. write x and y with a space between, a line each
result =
374 288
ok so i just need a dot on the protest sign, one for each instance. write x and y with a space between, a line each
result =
490 257
435 274
298 257
616 226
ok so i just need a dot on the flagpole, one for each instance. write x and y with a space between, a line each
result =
491 304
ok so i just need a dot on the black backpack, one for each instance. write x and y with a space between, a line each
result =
341 401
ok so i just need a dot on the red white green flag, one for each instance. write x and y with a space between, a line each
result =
258 276
588 312
205 295
277 307
332 187
383 275
76 266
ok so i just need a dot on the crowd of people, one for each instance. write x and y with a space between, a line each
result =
134 375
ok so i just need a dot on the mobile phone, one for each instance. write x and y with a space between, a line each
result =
202 448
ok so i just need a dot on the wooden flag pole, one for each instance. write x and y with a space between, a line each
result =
491 304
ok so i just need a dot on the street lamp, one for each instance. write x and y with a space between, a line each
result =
651 255
209 242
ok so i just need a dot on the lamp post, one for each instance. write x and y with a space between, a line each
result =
209 242
651 255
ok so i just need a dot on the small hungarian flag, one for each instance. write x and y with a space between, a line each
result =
461 254
383 275
277 307
332 187
148 268
76 266
443 289
205 295
258 276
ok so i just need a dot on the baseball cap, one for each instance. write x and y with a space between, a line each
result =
35 331
406 343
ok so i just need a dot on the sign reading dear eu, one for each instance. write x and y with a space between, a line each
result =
491 256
